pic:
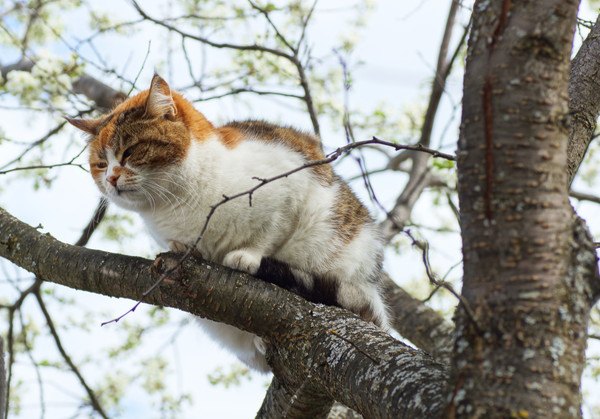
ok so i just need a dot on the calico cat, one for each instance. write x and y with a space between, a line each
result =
158 156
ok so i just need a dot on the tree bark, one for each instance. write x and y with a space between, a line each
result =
420 324
306 402
355 362
584 106
524 278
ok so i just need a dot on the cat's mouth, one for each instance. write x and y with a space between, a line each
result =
121 191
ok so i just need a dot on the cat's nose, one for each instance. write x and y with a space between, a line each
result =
112 179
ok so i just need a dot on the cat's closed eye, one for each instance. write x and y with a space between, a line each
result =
126 154
100 165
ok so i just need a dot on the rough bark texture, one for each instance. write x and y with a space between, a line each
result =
358 364
309 402
524 355
420 324
584 106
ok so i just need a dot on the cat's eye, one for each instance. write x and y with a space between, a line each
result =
100 165
126 155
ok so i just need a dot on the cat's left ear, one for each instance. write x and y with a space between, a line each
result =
91 126
160 100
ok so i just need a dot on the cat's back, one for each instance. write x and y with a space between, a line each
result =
305 144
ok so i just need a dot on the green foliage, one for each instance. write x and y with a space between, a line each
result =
117 227
234 376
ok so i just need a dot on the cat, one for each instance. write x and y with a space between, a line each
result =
155 154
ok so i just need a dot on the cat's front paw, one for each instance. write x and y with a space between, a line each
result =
243 260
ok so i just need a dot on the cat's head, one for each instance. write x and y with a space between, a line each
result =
137 149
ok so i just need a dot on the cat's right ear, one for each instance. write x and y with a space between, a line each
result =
160 100
91 126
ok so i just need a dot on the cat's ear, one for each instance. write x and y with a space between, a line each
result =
91 126
160 101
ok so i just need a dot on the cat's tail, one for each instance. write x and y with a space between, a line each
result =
318 289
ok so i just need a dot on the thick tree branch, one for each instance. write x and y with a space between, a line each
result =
306 402
419 174
331 346
417 322
584 102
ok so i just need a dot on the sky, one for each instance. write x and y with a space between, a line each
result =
398 48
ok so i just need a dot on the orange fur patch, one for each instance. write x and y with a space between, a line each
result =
231 137
307 145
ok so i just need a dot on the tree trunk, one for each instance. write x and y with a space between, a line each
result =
527 260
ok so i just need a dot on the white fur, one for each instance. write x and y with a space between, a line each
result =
290 220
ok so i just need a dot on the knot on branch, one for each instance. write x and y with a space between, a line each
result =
169 267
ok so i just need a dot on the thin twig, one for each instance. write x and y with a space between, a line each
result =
34 144
93 399
91 226
424 247
236 91
50 166
581 196
137 76
240 47
36 366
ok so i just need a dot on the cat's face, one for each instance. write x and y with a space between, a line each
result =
137 150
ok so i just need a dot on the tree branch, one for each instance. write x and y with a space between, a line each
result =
417 322
54 333
306 402
419 174
581 196
239 47
91 226
584 105
104 96
331 346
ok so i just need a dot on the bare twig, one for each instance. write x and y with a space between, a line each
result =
93 399
279 35
91 226
50 166
240 47
34 289
36 366
424 247
238 90
291 57
581 196
419 172
35 144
